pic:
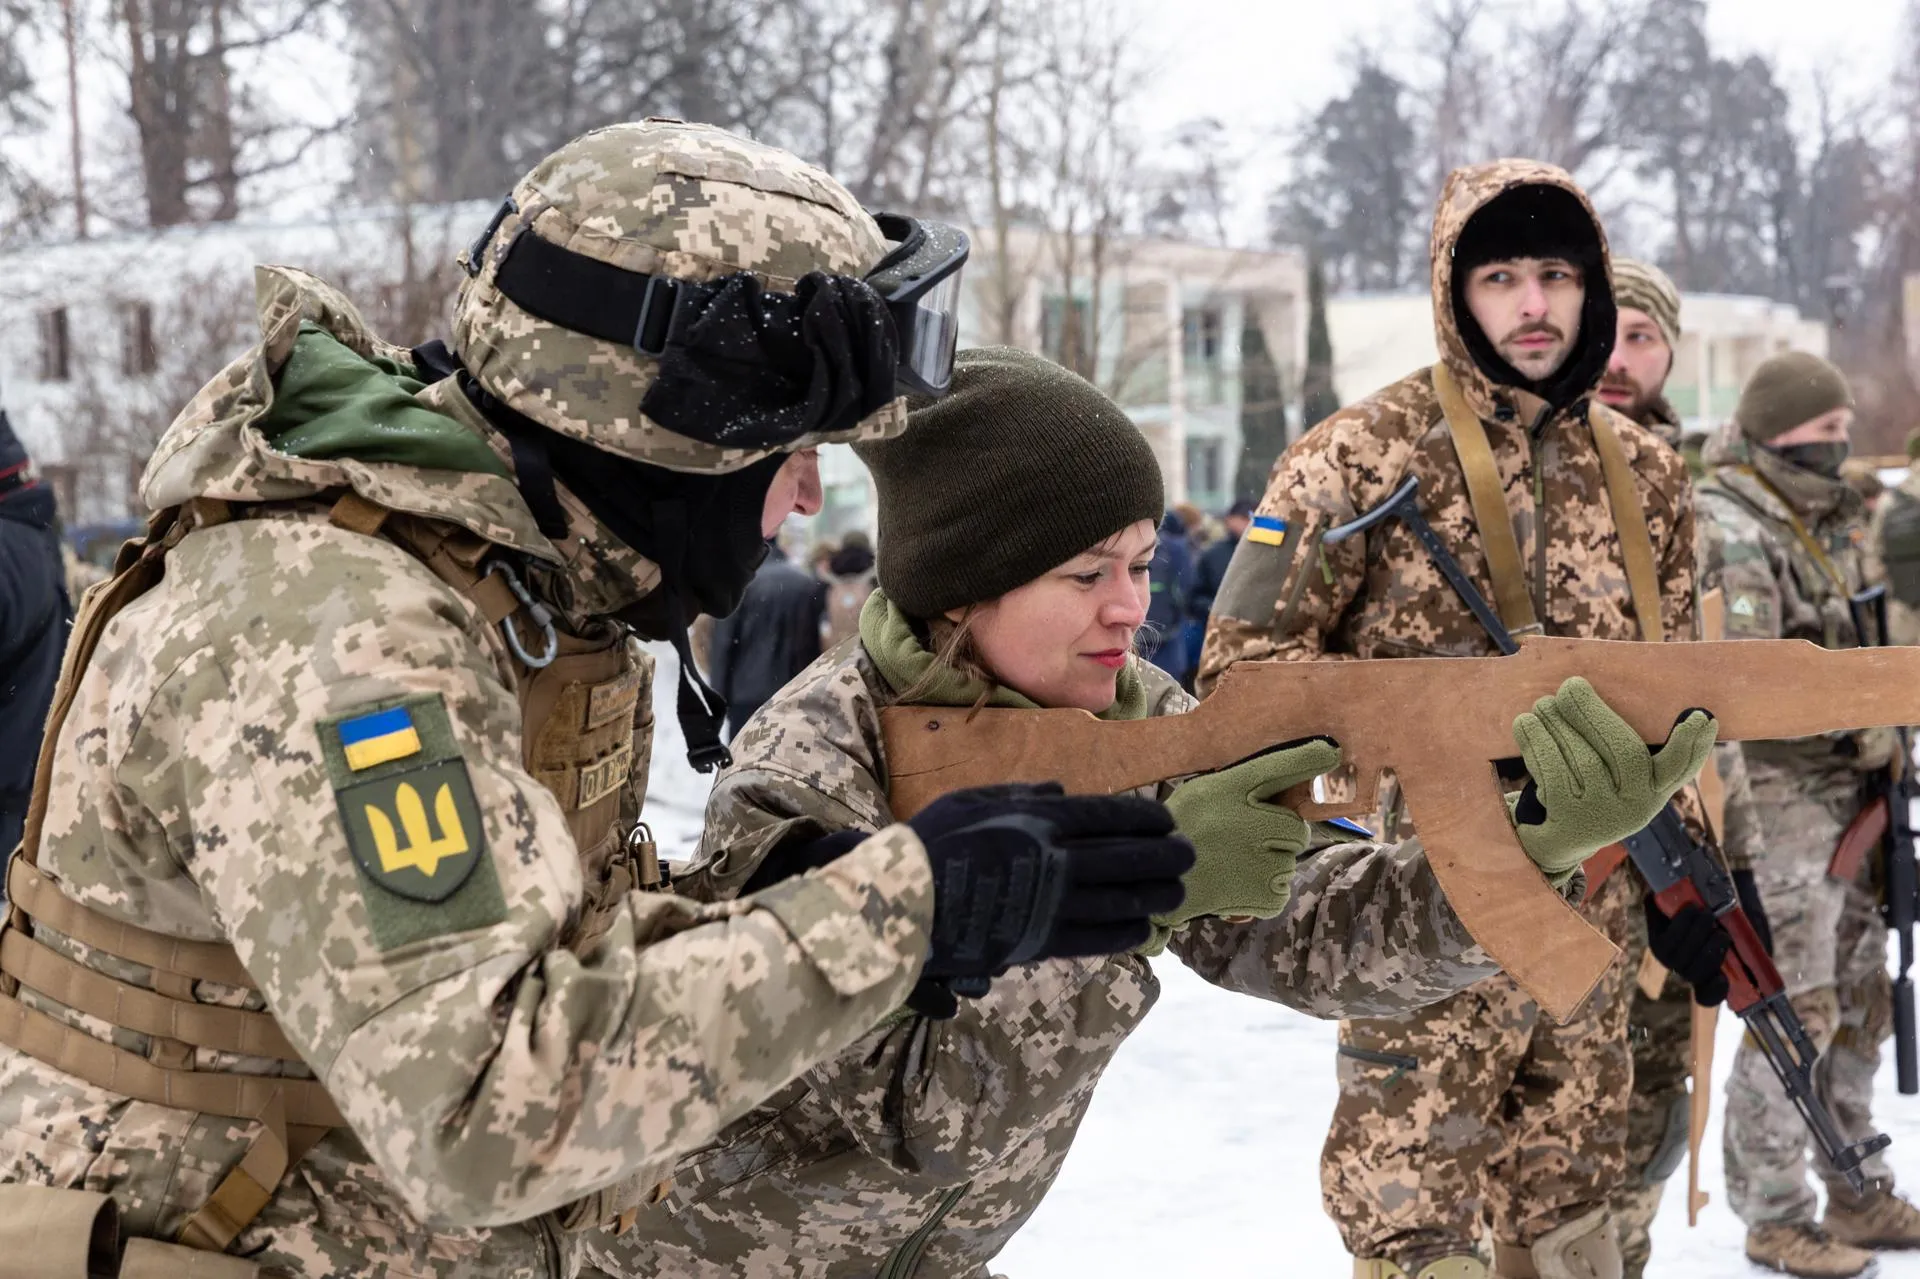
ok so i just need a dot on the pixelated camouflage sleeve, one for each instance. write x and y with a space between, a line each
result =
1367 933
1283 590
492 1073
944 1100
1735 554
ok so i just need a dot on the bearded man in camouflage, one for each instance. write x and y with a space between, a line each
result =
1479 1112
331 951
1660 1023
1785 535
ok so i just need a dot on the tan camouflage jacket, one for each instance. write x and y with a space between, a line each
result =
922 1149
489 1073
1897 566
1776 585
1380 595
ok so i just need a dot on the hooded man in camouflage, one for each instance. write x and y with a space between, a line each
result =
1660 1024
1783 531
332 950
1479 1114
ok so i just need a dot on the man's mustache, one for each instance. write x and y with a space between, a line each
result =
1543 328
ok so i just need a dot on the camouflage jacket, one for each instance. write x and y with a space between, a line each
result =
1893 556
491 1066
1777 585
926 1146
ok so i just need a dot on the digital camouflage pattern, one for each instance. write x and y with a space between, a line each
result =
490 1075
1828 941
929 1143
658 197
1660 1028
1480 1113
1831 948
1405 1166
1893 557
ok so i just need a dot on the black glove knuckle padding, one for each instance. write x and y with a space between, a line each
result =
1693 945
1022 875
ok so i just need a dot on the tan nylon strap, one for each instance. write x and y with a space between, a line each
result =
356 514
1800 530
58 1234
152 1259
101 1064
89 991
1489 500
244 1192
1630 522
35 895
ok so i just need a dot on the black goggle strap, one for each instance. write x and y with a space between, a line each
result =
701 711
532 468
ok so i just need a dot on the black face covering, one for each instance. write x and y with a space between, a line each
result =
703 531
1822 459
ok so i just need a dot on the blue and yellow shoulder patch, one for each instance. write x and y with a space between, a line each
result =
411 819
1268 530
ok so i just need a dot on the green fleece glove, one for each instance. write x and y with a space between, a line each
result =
1244 843
1594 781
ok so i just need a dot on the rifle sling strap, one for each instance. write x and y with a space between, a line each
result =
1487 495
1489 500
1630 522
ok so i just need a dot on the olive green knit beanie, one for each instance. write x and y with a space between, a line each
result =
1017 469
1787 390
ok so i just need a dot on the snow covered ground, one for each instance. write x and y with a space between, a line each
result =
1200 1154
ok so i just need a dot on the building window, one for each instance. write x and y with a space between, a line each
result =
1063 330
1203 468
1201 329
138 354
56 352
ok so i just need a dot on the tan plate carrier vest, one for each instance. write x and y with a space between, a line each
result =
586 723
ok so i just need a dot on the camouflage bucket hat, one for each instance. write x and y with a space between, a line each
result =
660 197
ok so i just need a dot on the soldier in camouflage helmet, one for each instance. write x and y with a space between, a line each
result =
1478 1113
1783 532
1017 522
332 950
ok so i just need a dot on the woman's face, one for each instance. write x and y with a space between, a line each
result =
1062 638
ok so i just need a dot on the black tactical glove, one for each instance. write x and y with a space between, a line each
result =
1025 873
1756 911
1693 946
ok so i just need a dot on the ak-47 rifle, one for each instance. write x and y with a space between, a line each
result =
1886 821
1440 723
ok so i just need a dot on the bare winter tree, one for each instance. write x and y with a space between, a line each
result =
202 129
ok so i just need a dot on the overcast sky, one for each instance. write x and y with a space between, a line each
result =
1262 65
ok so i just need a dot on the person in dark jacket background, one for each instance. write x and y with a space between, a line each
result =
34 614
1171 577
770 638
1212 568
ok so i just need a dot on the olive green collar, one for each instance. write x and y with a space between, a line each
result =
903 661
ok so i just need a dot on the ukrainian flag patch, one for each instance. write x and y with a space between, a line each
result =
1268 530
379 738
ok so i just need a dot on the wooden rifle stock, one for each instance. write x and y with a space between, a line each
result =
1438 723
1862 836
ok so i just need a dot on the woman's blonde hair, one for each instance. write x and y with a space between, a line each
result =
953 649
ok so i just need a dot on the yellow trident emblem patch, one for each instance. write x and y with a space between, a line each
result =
422 852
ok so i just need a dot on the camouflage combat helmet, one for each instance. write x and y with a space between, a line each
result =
660 197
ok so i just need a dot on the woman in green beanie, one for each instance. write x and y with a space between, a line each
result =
1017 518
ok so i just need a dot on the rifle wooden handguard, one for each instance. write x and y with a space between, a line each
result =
1862 835
1438 723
